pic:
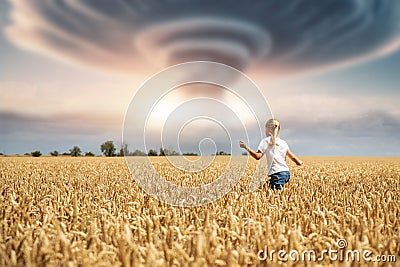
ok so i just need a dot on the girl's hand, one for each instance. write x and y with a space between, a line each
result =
294 158
243 145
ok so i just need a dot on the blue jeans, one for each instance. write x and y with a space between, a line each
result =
279 179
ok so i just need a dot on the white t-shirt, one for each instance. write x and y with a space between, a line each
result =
275 154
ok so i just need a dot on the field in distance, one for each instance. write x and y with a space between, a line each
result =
89 211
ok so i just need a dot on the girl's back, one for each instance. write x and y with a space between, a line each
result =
276 150
276 154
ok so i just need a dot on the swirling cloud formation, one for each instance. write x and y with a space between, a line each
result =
269 37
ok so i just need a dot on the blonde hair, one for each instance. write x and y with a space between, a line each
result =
274 126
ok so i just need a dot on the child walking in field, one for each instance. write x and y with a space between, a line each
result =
276 150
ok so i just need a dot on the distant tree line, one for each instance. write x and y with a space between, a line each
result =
223 153
109 150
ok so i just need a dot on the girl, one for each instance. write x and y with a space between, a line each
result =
276 150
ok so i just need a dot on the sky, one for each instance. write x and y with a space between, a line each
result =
329 71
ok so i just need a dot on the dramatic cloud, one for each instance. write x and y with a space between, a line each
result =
370 133
47 106
14 124
268 37
327 123
366 133
21 133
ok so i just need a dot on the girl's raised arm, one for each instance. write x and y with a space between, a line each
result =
294 158
257 155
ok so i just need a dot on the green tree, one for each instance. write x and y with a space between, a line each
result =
138 152
89 154
163 151
108 148
152 152
190 154
54 153
168 152
75 151
173 153
123 150
36 153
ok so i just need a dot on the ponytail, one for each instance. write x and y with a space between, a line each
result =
274 127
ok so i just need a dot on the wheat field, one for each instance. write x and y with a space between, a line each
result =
62 211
